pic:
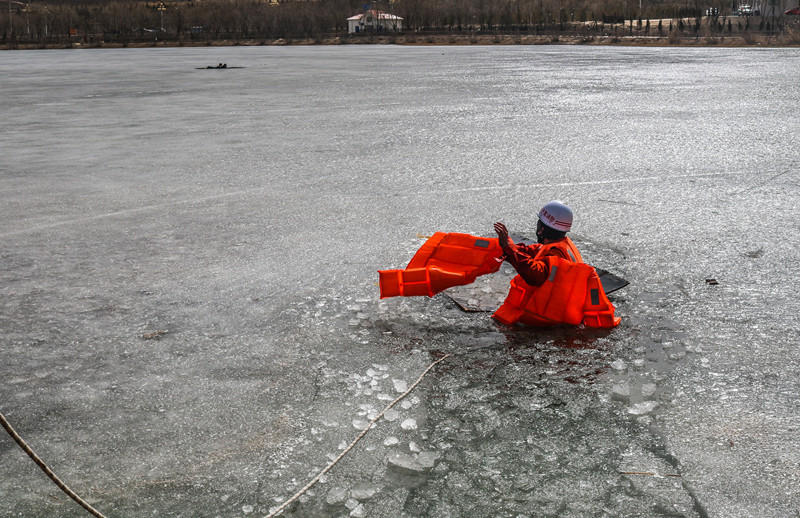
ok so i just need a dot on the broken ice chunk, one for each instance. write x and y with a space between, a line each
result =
336 495
363 492
427 459
619 365
391 441
642 408
404 462
400 386
648 389
621 391
409 424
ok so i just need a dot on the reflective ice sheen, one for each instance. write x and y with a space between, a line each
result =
189 314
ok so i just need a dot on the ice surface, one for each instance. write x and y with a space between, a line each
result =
246 215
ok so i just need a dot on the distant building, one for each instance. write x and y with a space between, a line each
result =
375 21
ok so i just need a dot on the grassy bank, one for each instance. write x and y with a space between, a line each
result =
735 40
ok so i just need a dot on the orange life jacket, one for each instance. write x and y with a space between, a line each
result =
445 260
572 294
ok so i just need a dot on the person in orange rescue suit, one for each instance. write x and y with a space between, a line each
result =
554 285
555 220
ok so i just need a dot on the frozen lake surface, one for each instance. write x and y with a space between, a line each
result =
188 299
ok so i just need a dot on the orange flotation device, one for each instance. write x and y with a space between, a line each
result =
444 260
572 294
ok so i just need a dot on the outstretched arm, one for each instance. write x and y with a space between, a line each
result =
532 271
502 234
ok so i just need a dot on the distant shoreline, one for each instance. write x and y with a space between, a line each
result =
757 40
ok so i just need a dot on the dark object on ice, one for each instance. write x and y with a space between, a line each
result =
610 282
155 335
220 66
711 282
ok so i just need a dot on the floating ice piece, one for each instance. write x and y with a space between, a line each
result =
404 462
391 441
342 445
427 459
619 365
391 415
363 492
354 307
406 404
642 408
412 446
372 373
384 397
359 511
351 503
648 389
638 363
380 367
360 424
247 509
400 386
621 391
409 424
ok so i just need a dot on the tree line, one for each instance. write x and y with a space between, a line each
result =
129 20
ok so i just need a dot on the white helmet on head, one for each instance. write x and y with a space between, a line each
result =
556 215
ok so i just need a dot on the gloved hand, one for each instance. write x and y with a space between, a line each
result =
502 234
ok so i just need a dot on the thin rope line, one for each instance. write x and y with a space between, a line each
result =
327 468
39 462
